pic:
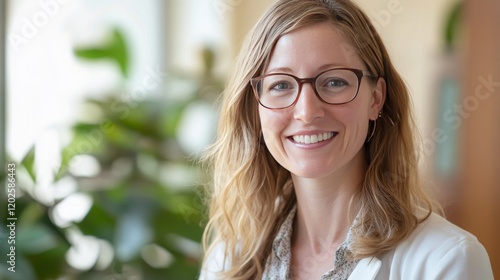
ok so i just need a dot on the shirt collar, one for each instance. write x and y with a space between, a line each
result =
283 240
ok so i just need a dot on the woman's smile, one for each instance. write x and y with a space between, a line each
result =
312 138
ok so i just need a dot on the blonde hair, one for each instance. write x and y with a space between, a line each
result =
252 194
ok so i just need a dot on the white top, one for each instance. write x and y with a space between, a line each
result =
437 249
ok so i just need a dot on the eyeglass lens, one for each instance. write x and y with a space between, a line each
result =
335 86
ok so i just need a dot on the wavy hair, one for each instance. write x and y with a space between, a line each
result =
251 194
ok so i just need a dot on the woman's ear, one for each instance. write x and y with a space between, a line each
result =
379 92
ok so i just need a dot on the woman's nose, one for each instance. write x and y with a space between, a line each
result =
308 106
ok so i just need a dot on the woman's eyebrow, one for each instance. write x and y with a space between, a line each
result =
319 69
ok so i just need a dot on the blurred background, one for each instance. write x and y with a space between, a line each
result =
105 107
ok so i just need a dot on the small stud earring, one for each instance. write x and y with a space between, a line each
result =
380 114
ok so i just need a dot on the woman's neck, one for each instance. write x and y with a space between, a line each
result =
327 206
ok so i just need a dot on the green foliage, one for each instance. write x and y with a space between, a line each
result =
28 163
452 26
133 206
115 50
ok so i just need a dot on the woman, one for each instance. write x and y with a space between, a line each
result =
315 165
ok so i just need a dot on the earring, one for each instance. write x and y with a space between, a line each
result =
374 127
373 131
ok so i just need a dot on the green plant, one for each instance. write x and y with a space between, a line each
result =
452 25
152 225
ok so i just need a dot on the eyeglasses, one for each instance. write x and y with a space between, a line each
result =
334 86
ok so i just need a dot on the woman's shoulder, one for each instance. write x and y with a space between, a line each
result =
436 235
438 249
436 229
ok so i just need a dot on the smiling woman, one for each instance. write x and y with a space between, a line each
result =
315 163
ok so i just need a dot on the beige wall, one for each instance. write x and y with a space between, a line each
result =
243 18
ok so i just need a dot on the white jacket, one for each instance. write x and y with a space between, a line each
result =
437 249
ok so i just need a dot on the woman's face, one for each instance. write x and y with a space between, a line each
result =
305 53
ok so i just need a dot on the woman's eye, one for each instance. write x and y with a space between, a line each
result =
281 86
336 83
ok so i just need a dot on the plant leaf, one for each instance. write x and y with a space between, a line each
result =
29 163
114 50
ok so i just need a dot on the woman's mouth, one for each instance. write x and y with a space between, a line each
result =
313 138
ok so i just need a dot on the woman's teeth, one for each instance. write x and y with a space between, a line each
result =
311 139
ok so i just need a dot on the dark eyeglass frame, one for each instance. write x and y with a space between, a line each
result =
300 81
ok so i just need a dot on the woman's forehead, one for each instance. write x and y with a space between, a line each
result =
312 48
